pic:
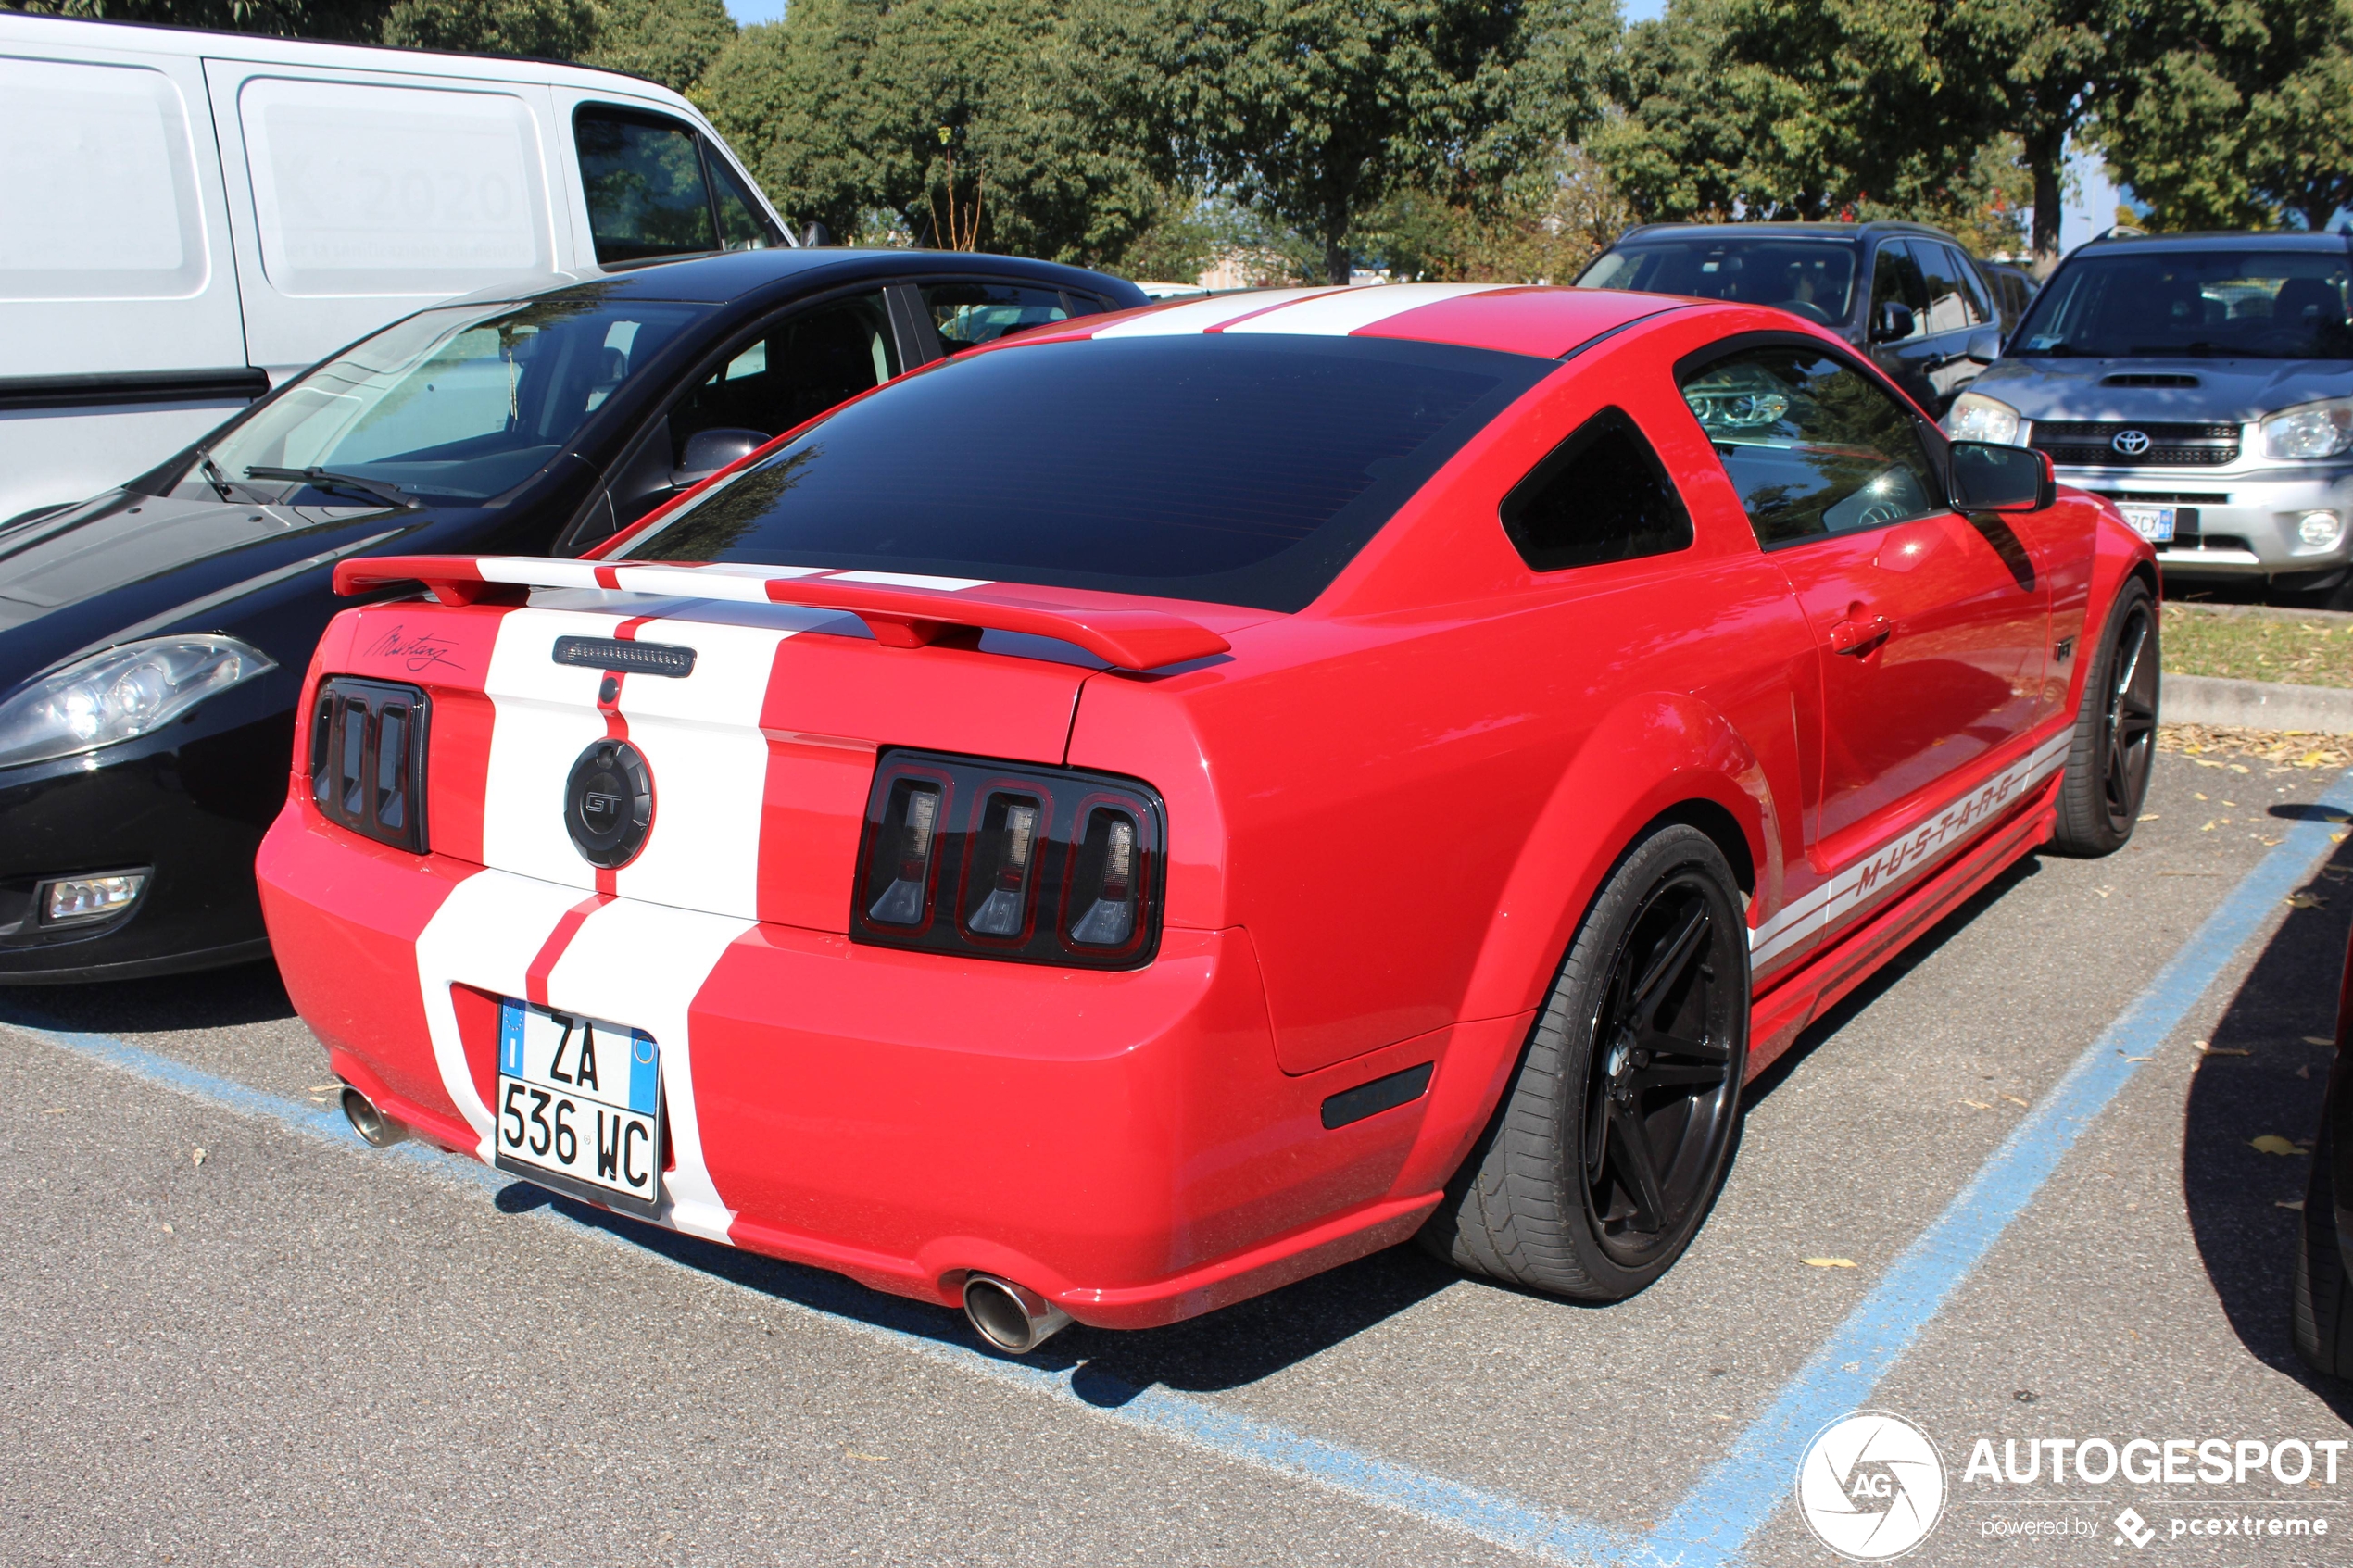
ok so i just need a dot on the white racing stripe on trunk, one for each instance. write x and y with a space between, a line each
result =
1337 315
485 934
701 740
1200 315
1871 876
546 715
534 571
641 965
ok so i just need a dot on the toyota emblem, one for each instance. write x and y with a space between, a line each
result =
2132 443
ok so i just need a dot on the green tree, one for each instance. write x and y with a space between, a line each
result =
558 29
960 122
350 20
1316 109
672 42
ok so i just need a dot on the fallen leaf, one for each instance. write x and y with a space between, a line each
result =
199 1159
168 1230
322 1088
2336 838
2150 817
1828 1262
870 1459
1977 1104
2206 1049
2208 828
2103 892
2198 793
2311 759
2272 1143
55 1111
2239 767
2015 1100
2136 1057
2318 1040
2297 1204
2304 1071
2305 901
2203 763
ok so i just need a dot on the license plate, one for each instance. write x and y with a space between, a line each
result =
580 1105
2153 523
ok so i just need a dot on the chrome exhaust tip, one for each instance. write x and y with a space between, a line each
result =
1013 1318
373 1126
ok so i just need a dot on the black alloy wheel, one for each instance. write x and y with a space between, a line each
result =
1659 1097
2115 742
1612 1140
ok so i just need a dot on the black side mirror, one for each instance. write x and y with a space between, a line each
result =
1984 344
816 234
1990 478
708 451
1891 322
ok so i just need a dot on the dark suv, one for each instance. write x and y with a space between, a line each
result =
1929 316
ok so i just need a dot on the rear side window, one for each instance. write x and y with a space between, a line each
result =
1230 468
1895 279
655 189
968 315
1812 445
1601 495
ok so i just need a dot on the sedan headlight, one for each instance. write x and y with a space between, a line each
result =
1975 417
2313 429
121 694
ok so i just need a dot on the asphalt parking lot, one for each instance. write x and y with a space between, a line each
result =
238 1336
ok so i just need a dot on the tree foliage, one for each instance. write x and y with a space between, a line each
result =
672 42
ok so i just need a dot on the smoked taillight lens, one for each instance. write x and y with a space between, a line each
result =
367 758
1039 865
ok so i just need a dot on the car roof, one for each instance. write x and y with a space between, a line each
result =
723 279
1783 231
2223 239
1541 320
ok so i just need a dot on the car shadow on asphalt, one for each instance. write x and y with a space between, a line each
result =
215 999
2262 1075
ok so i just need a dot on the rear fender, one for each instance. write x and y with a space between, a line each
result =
1655 752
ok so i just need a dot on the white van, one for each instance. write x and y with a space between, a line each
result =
187 217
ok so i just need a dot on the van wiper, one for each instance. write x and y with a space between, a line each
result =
212 474
327 479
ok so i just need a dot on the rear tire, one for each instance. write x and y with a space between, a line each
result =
2321 1307
2115 742
1611 1142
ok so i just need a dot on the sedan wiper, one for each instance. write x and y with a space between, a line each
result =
327 479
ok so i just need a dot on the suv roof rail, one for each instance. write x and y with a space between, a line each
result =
2117 232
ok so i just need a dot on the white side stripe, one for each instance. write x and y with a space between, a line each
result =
1872 875
1200 315
1337 315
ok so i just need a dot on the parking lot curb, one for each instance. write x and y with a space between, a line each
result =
2256 705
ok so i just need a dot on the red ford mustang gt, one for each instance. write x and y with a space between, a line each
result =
1109 824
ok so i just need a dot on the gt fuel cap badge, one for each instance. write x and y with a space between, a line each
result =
609 803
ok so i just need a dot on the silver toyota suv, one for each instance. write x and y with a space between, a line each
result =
2203 382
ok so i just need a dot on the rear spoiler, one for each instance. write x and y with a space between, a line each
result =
902 612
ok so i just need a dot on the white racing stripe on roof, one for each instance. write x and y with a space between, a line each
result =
910 580
1200 315
1338 314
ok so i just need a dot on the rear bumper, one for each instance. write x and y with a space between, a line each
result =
1124 1143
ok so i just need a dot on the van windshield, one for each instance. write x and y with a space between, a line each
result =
1806 276
465 401
2232 304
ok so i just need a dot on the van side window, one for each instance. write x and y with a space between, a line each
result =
1601 495
1813 445
741 224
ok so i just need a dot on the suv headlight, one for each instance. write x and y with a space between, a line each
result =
2313 429
1975 417
121 694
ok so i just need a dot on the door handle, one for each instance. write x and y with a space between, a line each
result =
1860 635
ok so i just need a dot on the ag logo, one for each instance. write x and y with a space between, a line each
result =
2131 442
1871 1487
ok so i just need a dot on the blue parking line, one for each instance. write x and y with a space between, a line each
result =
931 1332
1715 1520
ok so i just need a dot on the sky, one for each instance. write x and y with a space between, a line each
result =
2091 210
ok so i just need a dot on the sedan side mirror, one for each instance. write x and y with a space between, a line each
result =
1985 344
816 234
1990 478
708 451
1892 322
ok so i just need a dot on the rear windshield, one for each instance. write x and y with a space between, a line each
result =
1232 468
2234 303
1814 279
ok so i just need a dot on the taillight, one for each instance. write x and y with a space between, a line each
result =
367 758
1040 865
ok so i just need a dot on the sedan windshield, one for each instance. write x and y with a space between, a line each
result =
1806 276
1232 468
465 401
2238 304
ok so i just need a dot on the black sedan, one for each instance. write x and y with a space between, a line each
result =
2321 1316
153 640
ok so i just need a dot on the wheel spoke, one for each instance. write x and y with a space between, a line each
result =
1672 961
1660 1075
1636 1164
2140 635
1660 1043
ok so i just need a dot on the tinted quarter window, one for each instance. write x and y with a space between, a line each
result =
971 314
1601 495
1895 279
1232 468
644 179
1950 308
1812 446
741 226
